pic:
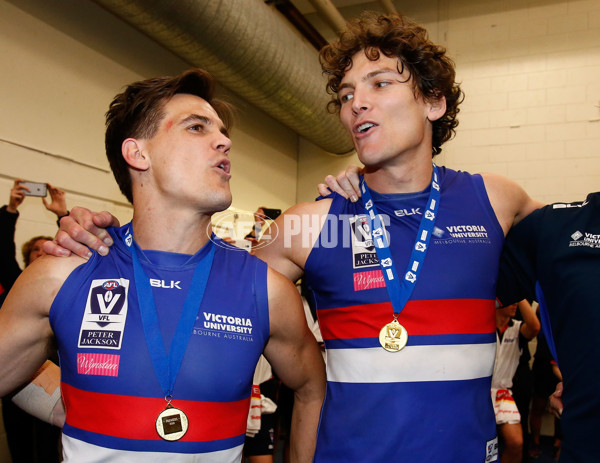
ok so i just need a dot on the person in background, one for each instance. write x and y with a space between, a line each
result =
261 215
33 248
546 376
30 440
522 389
511 337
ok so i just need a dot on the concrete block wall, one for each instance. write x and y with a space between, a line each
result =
531 74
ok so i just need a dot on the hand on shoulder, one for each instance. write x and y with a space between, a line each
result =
81 231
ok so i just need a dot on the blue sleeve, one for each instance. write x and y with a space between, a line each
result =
518 263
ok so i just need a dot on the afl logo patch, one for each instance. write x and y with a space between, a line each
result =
105 314
111 284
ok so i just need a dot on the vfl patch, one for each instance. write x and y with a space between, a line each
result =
105 314
98 364
368 280
363 249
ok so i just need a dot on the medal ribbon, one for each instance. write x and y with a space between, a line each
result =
400 292
166 367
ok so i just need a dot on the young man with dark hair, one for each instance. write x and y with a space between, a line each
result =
409 372
158 341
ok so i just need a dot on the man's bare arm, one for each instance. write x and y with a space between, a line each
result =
295 357
41 397
531 324
292 236
81 231
509 200
25 333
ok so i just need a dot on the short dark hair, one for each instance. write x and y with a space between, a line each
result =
138 111
396 36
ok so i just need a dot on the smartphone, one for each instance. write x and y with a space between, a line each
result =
271 214
35 189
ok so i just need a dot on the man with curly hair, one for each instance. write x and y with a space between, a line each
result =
406 308
409 372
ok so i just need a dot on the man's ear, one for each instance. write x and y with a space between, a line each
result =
437 108
133 153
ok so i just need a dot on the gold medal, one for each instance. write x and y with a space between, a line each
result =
171 424
393 336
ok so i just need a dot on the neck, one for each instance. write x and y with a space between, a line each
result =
171 232
501 321
409 176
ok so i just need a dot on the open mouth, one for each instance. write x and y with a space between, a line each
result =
364 127
225 166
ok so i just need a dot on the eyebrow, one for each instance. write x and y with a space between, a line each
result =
369 76
205 120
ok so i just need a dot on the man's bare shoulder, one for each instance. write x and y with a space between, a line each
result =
51 269
310 207
510 201
32 295
57 264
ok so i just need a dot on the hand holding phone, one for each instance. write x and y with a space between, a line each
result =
35 189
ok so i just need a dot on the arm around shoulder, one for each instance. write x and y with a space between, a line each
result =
292 236
295 357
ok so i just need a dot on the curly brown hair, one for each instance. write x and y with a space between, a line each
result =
431 71
138 111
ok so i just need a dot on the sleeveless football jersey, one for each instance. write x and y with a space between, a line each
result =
431 400
508 352
111 393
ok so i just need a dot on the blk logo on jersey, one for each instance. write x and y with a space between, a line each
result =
407 212
363 249
165 284
105 313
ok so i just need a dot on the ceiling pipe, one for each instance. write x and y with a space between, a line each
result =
330 14
251 50
297 19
